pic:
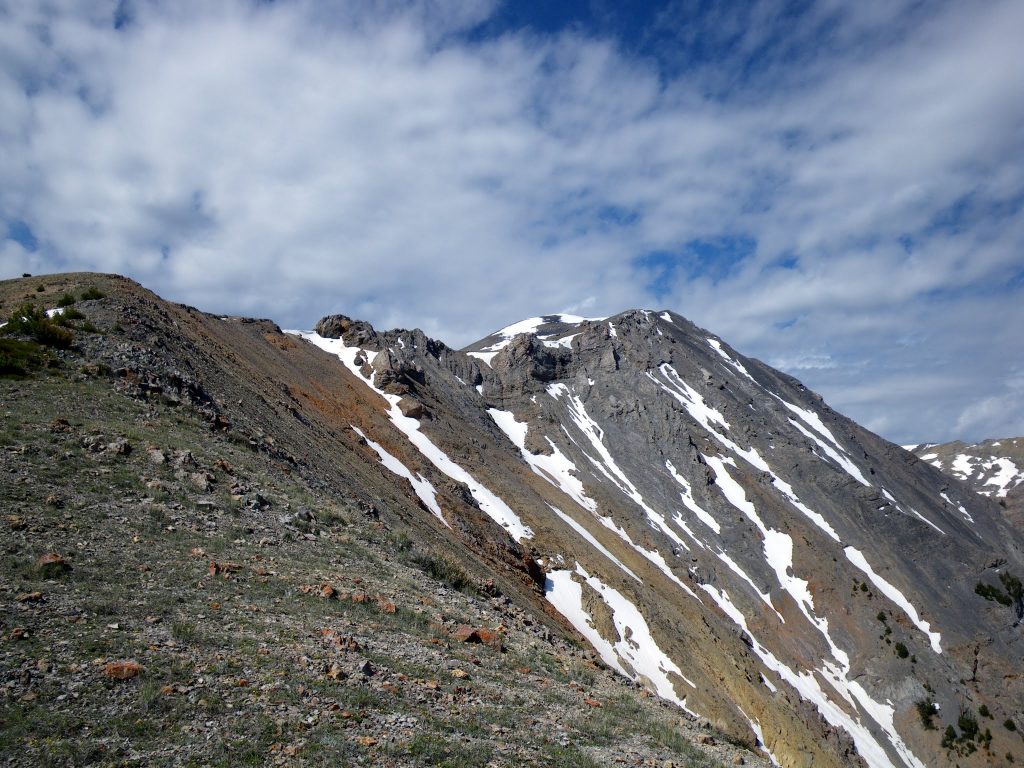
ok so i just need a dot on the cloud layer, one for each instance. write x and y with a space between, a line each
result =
837 192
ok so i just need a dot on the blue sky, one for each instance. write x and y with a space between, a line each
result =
832 187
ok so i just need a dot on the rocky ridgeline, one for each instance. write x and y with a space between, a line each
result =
179 588
709 527
697 507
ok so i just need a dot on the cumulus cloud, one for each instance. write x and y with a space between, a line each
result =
837 191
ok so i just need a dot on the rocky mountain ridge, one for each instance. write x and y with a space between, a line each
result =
713 529
675 492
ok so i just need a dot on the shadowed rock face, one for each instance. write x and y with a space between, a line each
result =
718 532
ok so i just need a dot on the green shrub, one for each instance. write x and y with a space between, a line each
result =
1009 725
64 318
983 711
29 320
991 592
968 724
66 300
92 293
901 650
1012 585
926 711
949 737
17 358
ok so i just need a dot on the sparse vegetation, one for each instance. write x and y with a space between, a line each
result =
926 711
901 650
992 593
28 320
92 293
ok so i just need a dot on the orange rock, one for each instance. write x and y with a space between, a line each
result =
388 607
488 636
224 568
366 741
328 592
592 702
360 597
51 564
122 670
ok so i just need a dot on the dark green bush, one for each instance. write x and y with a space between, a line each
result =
69 314
926 711
983 711
1012 585
968 725
1009 725
28 320
66 300
17 358
901 650
991 592
949 737
443 569
91 293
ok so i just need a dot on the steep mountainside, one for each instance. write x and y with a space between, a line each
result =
202 563
994 468
713 529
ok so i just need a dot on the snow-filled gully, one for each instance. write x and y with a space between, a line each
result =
635 653
778 549
489 502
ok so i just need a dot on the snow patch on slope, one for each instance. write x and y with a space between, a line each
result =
489 502
635 654
592 541
424 490
856 557
557 469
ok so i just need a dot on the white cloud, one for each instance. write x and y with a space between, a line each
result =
294 159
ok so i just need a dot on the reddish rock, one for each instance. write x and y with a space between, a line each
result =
388 607
328 592
122 670
467 634
360 597
225 568
29 597
19 633
51 565
592 703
